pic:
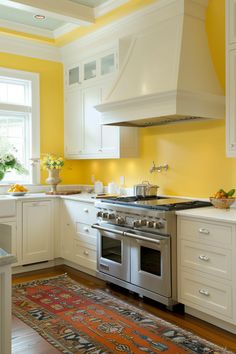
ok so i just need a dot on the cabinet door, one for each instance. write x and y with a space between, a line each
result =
231 12
73 124
110 138
8 239
37 231
73 76
68 232
231 106
91 121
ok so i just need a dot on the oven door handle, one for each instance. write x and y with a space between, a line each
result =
98 227
142 238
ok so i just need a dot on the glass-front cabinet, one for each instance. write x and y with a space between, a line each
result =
90 70
107 64
93 68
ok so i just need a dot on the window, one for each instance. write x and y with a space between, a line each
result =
19 121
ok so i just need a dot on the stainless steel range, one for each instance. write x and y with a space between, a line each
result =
137 244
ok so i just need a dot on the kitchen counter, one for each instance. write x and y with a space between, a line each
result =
210 213
84 197
6 258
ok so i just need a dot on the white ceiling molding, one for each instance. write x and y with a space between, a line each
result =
68 27
19 27
28 48
108 6
63 10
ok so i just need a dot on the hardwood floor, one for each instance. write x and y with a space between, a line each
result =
26 340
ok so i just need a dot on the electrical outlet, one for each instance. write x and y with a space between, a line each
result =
92 178
122 180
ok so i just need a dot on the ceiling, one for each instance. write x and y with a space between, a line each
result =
60 16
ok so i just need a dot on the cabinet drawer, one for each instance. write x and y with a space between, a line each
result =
208 259
84 233
85 254
86 214
205 232
205 294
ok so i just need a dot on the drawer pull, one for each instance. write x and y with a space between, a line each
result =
86 253
204 258
85 210
86 229
204 231
204 292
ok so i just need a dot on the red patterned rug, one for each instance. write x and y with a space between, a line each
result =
76 319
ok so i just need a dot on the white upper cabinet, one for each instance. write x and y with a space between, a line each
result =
86 85
231 19
231 78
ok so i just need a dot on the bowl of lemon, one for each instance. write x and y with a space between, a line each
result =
17 190
222 199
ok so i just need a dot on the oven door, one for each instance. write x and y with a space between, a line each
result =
151 263
113 252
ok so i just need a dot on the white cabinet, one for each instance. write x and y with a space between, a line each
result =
87 84
206 264
8 238
231 78
85 137
37 231
73 124
78 238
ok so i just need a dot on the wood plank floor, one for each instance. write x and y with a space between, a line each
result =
26 340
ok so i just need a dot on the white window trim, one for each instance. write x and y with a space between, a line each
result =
35 112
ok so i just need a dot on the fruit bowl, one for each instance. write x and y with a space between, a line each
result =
222 203
17 194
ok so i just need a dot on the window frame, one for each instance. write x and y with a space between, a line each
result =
35 115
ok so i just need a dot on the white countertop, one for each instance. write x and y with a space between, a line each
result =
6 258
228 215
84 197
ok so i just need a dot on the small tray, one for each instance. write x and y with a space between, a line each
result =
17 194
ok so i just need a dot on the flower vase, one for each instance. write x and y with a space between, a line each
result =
53 179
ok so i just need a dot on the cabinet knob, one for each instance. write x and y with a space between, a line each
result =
85 210
204 231
86 229
204 292
99 150
202 257
67 224
86 253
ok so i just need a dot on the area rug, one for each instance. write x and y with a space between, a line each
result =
76 319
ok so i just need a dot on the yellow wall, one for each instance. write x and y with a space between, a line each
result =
194 151
51 106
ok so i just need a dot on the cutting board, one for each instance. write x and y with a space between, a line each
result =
64 192
104 196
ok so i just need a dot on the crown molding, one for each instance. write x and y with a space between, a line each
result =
19 27
68 27
28 48
108 6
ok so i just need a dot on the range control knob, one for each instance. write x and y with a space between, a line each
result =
137 223
158 225
111 216
99 214
149 224
120 220
105 215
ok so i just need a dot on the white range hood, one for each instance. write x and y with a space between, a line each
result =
167 75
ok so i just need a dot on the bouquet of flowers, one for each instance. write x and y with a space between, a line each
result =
51 162
8 161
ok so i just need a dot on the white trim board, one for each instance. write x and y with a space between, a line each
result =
29 48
